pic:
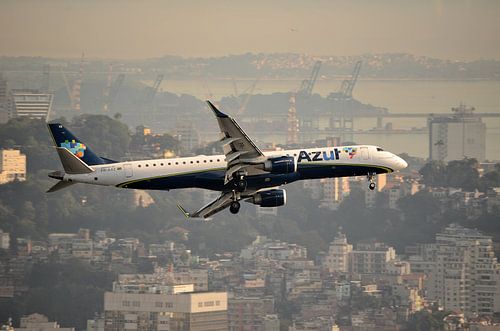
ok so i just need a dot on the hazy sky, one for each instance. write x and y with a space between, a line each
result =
456 29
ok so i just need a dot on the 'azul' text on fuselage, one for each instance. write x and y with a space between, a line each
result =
319 155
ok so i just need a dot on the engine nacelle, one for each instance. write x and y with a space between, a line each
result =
270 198
280 165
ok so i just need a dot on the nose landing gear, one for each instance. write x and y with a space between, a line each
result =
371 177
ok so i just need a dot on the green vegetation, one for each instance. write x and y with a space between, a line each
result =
426 321
69 293
460 174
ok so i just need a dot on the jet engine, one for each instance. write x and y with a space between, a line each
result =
280 165
269 198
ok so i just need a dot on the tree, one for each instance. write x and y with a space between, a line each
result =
425 321
463 174
434 173
106 136
490 179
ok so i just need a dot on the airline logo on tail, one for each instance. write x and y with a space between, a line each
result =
75 147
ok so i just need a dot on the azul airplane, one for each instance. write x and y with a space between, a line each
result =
244 172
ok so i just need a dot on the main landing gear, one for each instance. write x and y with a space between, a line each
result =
371 177
234 207
240 185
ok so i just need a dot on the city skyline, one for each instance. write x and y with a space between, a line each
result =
460 30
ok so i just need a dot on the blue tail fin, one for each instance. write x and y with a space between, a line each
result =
63 138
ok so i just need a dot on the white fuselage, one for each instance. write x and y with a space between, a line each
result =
311 163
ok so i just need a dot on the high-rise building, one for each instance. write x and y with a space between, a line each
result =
4 240
164 308
4 111
334 191
463 272
371 258
30 103
338 257
188 136
457 136
38 322
12 165
249 313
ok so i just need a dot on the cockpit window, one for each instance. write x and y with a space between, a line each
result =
379 149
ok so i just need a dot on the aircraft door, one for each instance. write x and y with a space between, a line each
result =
128 170
365 154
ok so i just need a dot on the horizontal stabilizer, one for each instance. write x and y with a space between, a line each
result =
72 164
59 186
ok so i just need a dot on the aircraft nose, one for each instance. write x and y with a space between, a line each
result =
400 163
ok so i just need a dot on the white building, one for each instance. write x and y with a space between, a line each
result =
38 322
338 257
463 273
151 308
30 103
4 240
457 136
371 258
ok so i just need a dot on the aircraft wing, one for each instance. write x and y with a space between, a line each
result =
241 152
221 203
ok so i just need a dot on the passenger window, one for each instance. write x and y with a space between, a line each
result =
197 161
154 164
205 161
191 162
176 163
139 166
211 160
147 165
161 164
183 162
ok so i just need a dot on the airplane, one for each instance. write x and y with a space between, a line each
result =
243 173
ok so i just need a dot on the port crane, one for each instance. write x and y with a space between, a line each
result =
111 89
307 85
348 85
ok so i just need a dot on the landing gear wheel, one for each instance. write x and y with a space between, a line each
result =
241 185
370 177
234 208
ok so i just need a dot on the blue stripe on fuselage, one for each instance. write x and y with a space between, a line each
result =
214 180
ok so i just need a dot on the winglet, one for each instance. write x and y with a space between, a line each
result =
186 214
217 112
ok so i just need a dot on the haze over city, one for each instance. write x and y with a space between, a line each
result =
128 29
